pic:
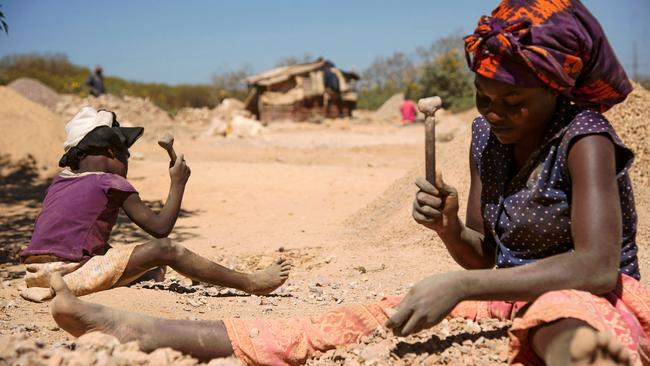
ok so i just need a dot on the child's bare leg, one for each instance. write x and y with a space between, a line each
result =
201 339
573 342
165 252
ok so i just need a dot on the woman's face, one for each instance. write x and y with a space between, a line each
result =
516 115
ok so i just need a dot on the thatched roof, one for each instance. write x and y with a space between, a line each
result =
280 74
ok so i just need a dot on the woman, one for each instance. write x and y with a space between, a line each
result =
550 205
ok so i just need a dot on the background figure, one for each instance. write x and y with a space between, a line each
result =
96 82
332 90
409 110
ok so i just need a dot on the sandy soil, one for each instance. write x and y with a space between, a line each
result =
335 199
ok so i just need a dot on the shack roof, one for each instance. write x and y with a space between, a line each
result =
283 73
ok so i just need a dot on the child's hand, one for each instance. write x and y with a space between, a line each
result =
435 207
180 172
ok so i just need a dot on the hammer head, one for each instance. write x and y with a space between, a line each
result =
166 141
429 105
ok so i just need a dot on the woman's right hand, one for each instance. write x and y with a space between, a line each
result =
180 172
435 206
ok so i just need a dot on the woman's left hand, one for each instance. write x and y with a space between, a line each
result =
426 304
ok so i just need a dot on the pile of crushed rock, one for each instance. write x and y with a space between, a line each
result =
130 111
92 349
630 119
454 342
36 91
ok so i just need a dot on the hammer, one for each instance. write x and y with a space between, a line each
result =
167 143
429 106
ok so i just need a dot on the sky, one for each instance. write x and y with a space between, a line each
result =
189 41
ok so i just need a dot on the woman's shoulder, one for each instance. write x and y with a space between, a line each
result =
589 122
480 130
480 137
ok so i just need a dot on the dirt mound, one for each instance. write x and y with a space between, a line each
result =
201 116
390 108
130 111
36 91
387 219
630 119
31 135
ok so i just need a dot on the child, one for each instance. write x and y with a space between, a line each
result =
550 206
81 207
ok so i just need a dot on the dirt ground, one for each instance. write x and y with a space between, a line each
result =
333 198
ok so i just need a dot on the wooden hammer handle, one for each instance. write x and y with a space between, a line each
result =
429 106
430 148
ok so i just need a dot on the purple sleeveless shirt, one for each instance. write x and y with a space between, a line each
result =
77 216
528 217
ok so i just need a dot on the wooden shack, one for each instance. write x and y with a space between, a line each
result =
300 92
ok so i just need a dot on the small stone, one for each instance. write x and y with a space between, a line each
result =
254 332
315 289
97 340
164 356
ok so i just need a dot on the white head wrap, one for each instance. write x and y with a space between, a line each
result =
86 120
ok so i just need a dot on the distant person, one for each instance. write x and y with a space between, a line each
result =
72 230
96 82
332 89
409 111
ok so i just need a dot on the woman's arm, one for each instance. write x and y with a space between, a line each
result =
593 266
596 228
436 207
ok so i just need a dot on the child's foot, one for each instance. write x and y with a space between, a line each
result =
591 347
78 317
263 282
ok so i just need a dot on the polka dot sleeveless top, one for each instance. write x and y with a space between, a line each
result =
528 217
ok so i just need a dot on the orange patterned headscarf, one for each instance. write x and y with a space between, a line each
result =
553 43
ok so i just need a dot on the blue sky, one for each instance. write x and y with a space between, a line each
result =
188 41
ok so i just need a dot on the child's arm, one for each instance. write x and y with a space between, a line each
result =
161 224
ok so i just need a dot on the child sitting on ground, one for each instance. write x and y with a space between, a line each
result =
81 207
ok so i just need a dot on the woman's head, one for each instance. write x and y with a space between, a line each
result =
558 45
95 141
515 113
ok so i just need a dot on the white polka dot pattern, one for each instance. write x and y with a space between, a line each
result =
528 217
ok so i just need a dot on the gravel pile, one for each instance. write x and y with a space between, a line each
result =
631 119
92 349
452 342
194 116
36 91
130 111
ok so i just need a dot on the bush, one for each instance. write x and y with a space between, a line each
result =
60 74
440 70
447 77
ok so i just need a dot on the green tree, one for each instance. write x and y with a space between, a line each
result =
444 73
447 77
